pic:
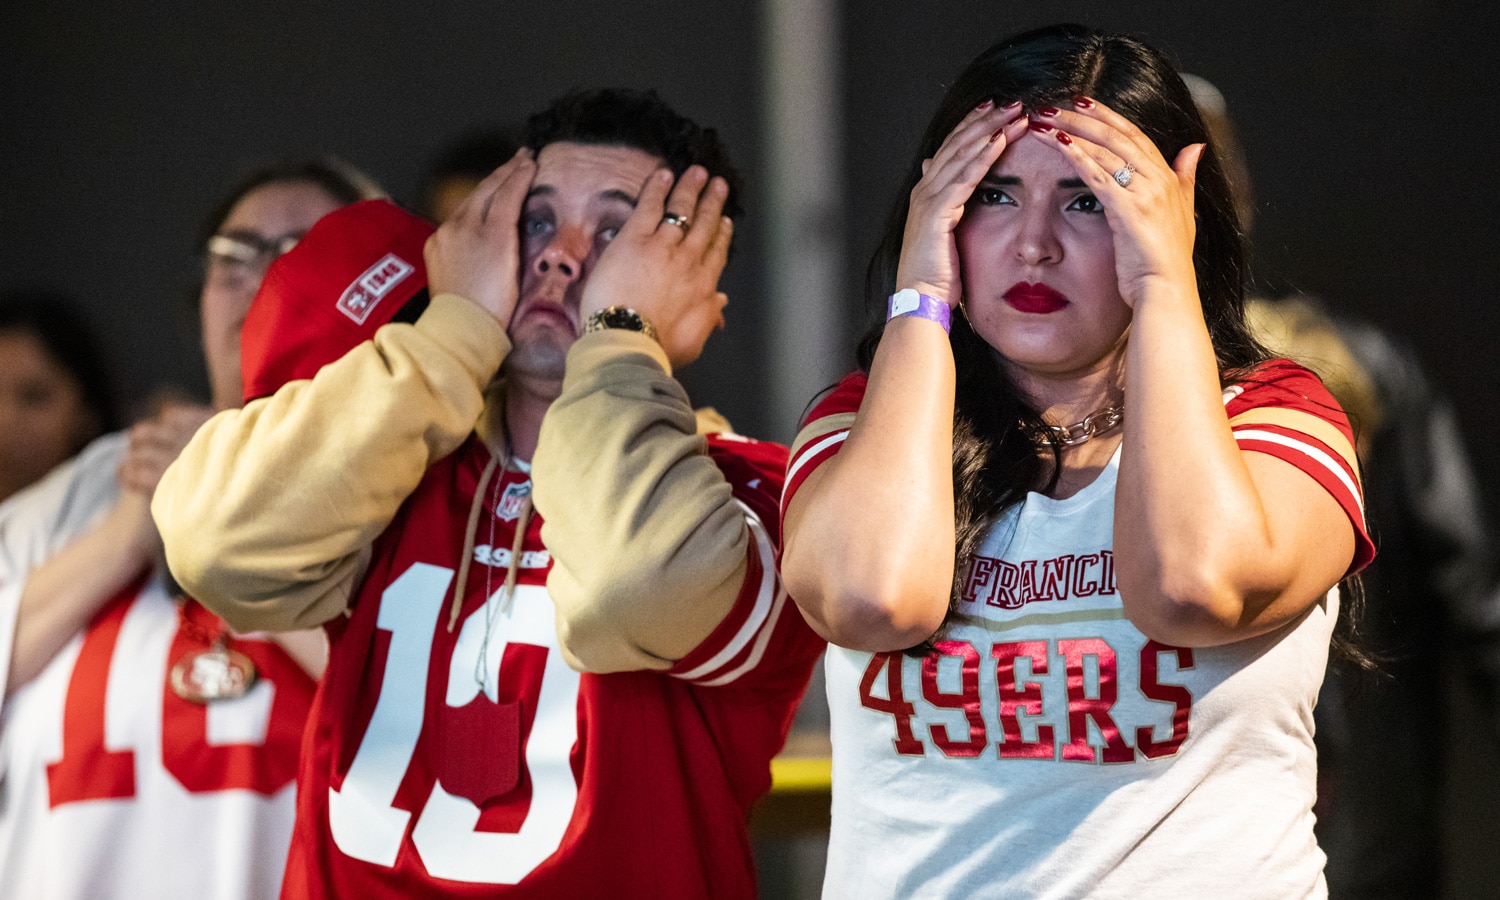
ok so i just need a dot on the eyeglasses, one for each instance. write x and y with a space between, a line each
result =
249 250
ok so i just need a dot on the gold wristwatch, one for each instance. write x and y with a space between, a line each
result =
622 317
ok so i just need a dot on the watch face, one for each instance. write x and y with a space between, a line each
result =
622 317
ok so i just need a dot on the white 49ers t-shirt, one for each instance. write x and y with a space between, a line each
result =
112 786
1047 748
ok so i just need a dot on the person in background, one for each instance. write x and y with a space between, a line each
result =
460 167
1430 603
574 697
55 394
1078 558
145 749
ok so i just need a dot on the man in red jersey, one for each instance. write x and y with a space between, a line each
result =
515 709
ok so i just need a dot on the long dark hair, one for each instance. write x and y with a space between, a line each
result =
994 458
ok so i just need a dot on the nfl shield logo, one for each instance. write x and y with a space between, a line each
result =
510 502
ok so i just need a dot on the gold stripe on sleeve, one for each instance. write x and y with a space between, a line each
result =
1307 423
819 428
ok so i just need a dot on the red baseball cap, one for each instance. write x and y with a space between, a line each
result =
353 272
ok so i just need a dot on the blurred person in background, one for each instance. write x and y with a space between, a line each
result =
460 167
1429 604
146 750
55 393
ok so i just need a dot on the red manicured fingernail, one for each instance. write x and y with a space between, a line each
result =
1082 102
996 136
985 104
1048 111
1042 127
1011 105
1063 137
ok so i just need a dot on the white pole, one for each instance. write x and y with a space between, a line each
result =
804 122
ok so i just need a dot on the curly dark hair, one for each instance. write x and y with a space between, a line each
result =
639 119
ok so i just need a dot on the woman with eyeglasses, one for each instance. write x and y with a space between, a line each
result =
1077 556
145 750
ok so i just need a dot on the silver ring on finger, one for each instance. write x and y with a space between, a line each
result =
1124 175
682 222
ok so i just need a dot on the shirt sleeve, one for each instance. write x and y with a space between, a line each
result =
762 642
269 513
42 519
1283 410
823 432
659 535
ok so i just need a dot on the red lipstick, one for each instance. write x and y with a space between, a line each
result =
1034 298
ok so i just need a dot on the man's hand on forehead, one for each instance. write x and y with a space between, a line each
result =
476 253
666 261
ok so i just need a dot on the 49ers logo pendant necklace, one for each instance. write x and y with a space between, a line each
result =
217 673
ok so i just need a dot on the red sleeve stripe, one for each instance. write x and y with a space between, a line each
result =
815 434
821 427
759 650
810 458
1326 460
763 612
1293 421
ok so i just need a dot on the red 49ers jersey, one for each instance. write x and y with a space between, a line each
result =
473 762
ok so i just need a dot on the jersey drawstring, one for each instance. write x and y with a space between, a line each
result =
513 571
469 538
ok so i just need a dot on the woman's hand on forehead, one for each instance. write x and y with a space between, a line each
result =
929 254
1149 204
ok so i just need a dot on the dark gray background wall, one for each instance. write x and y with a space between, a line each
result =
124 122
1370 128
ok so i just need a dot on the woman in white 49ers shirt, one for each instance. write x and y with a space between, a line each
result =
144 750
1077 557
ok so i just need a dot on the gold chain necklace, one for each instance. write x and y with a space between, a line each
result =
1095 423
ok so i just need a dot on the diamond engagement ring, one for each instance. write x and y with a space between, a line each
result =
1124 176
682 222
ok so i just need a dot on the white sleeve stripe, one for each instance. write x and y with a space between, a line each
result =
814 450
1311 452
760 645
764 601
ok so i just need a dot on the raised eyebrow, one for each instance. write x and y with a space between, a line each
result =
244 233
251 236
1014 181
619 196
616 195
